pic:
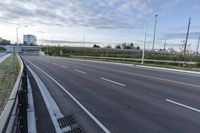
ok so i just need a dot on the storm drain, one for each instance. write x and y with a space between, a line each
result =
67 121
77 129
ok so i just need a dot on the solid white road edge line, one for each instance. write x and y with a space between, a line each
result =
54 64
63 66
51 107
30 110
80 71
188 107
113 81
77 102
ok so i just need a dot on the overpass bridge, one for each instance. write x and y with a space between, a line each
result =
21 49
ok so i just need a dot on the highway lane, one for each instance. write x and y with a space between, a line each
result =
4 56
129 99
152 72
1 54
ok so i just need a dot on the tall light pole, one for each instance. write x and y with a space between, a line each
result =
198 46
84 45
165 45
14 47
156 16
17 32
186 40
145 31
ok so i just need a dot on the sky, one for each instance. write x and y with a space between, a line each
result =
102 21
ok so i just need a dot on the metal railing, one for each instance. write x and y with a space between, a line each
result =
139 60
13 118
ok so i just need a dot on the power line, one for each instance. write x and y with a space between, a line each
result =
156 16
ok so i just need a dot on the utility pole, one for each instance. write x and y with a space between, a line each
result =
17 35
83 40
156 16
145 31
165 45
14 60
84 45
186 40
198 46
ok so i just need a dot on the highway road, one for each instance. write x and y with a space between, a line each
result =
125 99
4 56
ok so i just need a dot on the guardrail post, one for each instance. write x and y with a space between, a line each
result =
22 111
24 84
25 70
23 103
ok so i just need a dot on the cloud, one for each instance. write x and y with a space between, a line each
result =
99 14
104 14
192 35
63 41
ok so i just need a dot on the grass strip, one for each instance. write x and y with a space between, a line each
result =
7 79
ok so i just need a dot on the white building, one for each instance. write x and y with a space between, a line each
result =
30 40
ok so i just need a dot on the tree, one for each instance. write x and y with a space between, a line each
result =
123 45
132 46
118 47
138 47
108 46
127 47
96 46
5 42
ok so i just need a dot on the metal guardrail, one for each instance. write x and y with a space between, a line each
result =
146 60
13 118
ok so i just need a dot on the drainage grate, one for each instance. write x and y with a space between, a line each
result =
77 129
67 121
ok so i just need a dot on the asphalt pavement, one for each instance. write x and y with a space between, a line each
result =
4 56
125 99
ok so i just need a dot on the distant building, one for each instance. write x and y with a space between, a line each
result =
30 40
4 41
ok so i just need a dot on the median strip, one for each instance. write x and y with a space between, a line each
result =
188 107
80 71
114 82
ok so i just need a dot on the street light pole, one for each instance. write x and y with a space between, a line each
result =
187 35
17 33
84 45
145 31
197 52
156 16
14 47
165 45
